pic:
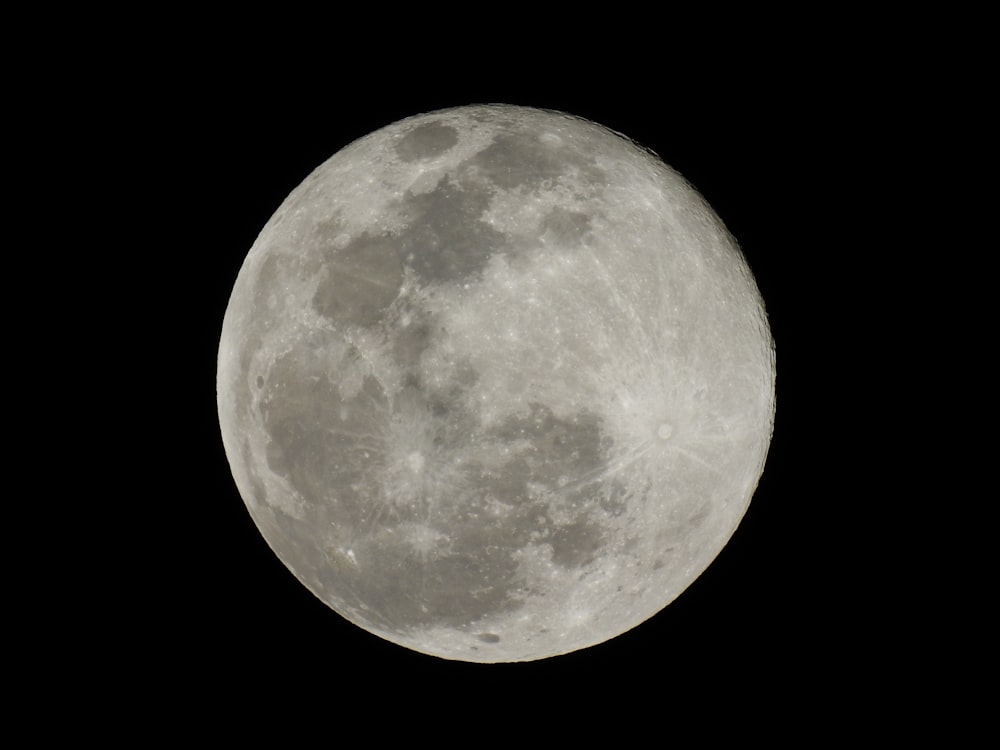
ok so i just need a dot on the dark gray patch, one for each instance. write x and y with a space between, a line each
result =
488 637
260 381
506 483
566 456
318 440
473 581
448 424
614 501
466 374
425 141
561 450
411 341
445 239
522 160
576 544
515 159
565 227
362 280
445 405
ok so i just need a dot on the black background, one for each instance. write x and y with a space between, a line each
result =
207 152
146 150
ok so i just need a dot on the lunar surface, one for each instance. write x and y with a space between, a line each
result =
495 383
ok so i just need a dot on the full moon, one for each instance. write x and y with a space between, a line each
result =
496 383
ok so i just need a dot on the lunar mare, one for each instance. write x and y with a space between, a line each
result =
495 383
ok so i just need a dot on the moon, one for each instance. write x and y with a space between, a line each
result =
495 383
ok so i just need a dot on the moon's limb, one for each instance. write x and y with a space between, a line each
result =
495 383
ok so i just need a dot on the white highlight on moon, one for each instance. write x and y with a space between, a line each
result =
495 383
